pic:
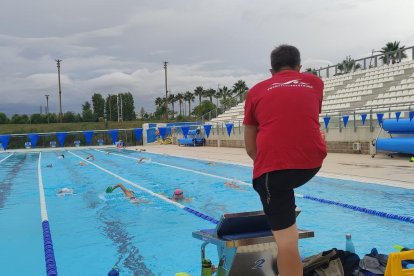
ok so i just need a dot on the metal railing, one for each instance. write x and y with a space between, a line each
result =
355 121
233 101
327 71
17 141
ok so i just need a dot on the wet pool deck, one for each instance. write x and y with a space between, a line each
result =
382 169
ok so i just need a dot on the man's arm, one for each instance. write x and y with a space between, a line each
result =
250 132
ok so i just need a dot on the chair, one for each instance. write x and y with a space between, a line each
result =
28 145
194 138
77 143
394 264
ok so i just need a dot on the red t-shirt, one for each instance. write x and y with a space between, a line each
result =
285 109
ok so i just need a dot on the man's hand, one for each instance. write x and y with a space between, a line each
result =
250 133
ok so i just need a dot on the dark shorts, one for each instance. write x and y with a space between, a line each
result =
276 193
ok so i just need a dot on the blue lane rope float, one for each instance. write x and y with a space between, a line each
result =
201 215
51 268
362 209
179 205
50 261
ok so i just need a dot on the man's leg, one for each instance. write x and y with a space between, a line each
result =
288 259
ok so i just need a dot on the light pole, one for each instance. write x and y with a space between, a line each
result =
166 90
47 107
60 91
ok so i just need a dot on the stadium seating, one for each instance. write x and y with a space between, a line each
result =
376 88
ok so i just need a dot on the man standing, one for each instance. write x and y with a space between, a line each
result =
282 136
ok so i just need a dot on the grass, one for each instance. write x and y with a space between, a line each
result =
57 127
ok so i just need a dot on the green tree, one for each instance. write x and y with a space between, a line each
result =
393 52
180 99
160 111
240 89
210 94
189 97
128 108
38 118
224 93
312 71
98 104
19 119
3 118
158 101
348 65
53 118
228 102
142 112
69 117
111 108
203 108
172 99
87 114
199 92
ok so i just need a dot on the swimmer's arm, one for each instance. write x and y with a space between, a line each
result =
125 190
250 133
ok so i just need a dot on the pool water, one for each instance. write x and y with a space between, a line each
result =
93 231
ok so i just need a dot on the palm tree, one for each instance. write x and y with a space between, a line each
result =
311 70
240 88
210 93
199 91
217 95
189 97
348 65
392 52
159 101
180 98
172 99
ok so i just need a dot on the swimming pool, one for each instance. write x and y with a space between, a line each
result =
92 230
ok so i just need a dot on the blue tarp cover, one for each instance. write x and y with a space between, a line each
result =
88 136
114 135
61 136
33 137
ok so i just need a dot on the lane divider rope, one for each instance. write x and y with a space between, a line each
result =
182 169
164 198
360 209
320 200
51 268
6 157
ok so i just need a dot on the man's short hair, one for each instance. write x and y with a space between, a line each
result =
284 56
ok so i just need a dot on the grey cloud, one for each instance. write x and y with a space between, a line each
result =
115 46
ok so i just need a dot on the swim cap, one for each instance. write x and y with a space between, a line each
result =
178 192
113 272
109 190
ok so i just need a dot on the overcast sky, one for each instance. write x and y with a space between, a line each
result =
117 46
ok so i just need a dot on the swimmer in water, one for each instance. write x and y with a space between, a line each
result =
90 157
65 191
49 166
211 163
82 163
128 193
62 156
178 196
143 160
231 184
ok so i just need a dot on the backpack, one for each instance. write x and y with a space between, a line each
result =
326 263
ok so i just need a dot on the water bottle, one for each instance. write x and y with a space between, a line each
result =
207 269
349 245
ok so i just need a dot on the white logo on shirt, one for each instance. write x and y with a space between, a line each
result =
291 83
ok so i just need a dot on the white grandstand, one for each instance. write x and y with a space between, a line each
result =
380 88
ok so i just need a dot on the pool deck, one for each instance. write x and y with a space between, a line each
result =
382 169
